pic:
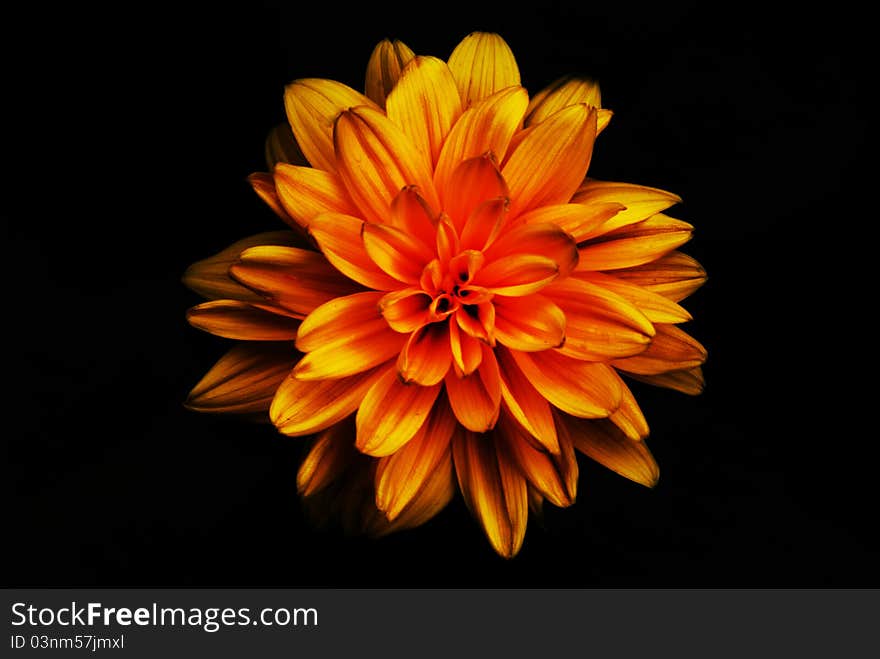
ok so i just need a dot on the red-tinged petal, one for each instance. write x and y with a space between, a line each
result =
338 319
656 308
376 160
475 398
518 274
425 104
674 276
410 213
427 355
550 163
493 489
561 93
629 417
641 202
525 404
400 476
583 389
264 185
281 147
604 442
537 466
689 381
467 353
396 252
671 349
293 278
210 277
580 221
482 64
339 237
473 182
464 267
529 323
305 193
353 349
487 127
635 244
484 224
303 407
546 240
312 105
384 68
392 413
242 320
244 380
447 242
405 310
600 324
327 459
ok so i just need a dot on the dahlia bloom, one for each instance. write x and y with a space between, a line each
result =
456 304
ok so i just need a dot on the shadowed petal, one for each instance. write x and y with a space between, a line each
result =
656 308
602 441
635 244
689 381
384 68
641 202
537 466
405 310
475 398
674 276
241 320
281 147
264 185
328 457
628 417
672 349
523 402
305 193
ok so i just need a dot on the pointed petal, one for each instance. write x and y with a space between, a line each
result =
241 320
427 355
405 310
569 90
635 244
641 202
296 279
354 348
376 160
550 163
475 398
396 252
425 104
466 351
305 193
264 185
656 308
537 466
602 441
566 461
484 224
384 68
336 320
303 407
244 380
339 237
410 213
690 381
312 105
674 276
672 349
473 182
629 417
546 240
580 221
392 413
517 274
523 402
326 460
281 147
400 476
584 389
530 323
482 64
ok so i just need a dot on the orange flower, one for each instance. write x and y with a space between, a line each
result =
462 298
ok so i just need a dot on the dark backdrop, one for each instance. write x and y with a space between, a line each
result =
132 131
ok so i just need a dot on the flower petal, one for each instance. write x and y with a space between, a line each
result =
392 413
396 252
537 466
305 193
549 164
241 320
425 104
244 380
641 202
405 310
672 349
303 407
264 185
296 279
410 213
689 381
523 402
354 348
312 105
604 442
530 323
400 476
473 182
580 221
546 240
281 147
635 244
656 308
327 459
427 355
482 64
517 274
338 319
561 93
376 160
629 417
466 351
583 389
479 325
484 224
384 68
475 399
674 276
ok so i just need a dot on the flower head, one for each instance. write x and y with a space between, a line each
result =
457 300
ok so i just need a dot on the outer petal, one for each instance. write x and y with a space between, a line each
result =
635 244
537 466
628 417
523 402
392 413
475 398
580 221
672 349
327 459
427 355
531 323
674 276
264 185
656 308
281 147
483 64
384 68
305 193
312 105
244 380
376 160
604 442
241 320
569 90
689 381
641 202
339 237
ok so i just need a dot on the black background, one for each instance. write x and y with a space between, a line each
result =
129 133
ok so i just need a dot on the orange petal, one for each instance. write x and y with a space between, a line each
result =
629 417
656 308
326 460
604 442
410 213
485 128
425 104
339 237
376 160
689 381
210 277
528 323
584 389
447 246
281 147
475 398
427 355
240 320
466 351
569 90
392 413
517 274
550 163
674 276
293 278
398 253
580 221
546 240
523 402
641 202
244 380
537 466
479 325
566 461
473 182
672 349
400 476
305 193
335 321
264 185
493 489
312 105
384 69
482 64
635 244
302 407
484 224
405 310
